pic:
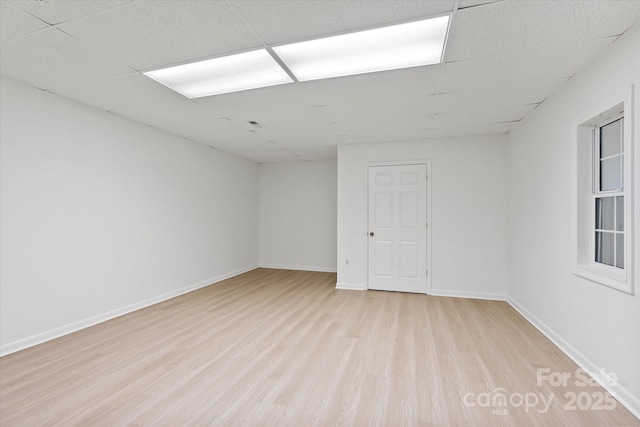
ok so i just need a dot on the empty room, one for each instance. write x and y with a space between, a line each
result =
318 213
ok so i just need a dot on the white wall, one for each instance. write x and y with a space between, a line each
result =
469 212
100 215
598 326
298 215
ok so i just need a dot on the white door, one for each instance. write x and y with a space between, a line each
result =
398 228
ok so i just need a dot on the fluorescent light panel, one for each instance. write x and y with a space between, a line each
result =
389 48
399 46
234 73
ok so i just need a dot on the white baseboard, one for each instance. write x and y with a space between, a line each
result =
467 294
435 292
351 286
300 268
40 338
628 400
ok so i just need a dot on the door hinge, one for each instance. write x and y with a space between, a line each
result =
427 271
427 225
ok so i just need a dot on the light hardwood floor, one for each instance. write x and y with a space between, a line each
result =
273 347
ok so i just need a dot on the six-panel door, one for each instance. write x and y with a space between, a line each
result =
398 228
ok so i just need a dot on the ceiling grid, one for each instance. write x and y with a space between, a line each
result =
502 59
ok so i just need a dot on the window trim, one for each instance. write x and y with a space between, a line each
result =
583 208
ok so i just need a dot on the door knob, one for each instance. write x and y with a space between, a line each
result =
371 234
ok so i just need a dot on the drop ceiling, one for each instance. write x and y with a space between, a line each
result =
503 58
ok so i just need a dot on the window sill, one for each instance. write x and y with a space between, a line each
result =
604 276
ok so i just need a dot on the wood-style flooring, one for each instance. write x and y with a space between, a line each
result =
275 347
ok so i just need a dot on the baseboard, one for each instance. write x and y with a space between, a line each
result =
435 292
351 286
628 400
300 268
468 294
94 320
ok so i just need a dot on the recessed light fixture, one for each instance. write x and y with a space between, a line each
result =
399 46
234 73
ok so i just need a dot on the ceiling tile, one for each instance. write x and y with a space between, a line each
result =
288 21
281 120
382 114
152 34
258 150
182 118
267 106
299 136
57 11
521 68
478 129
471 99
316 152
486 116
15 23
375 87
270 155
463 4
50 59
133 90
388 134
187 120
510 26
218 133
355 122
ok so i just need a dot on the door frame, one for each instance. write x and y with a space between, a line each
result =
427 163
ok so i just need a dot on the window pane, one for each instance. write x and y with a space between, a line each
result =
610 174
604 248
611 139
620 250
620 213
604 213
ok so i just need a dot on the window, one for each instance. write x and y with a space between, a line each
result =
603 217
